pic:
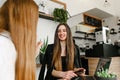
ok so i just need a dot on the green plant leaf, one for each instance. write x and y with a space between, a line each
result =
105 74
60 15
44 46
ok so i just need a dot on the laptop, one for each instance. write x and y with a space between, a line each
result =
103 63
84 78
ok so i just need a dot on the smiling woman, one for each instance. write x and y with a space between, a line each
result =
62 57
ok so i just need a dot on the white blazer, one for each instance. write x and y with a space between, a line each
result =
7 57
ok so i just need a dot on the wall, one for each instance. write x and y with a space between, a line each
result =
46 28
79 6
111 22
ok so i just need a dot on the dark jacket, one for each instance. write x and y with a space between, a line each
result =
48 61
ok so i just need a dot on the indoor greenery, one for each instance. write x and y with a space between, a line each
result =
44 46
105 74
60 15
39 59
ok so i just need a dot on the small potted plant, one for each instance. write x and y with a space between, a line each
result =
60 15
105 75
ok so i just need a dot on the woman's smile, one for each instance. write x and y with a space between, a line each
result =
62 34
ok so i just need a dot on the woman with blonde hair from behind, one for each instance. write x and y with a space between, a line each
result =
18 21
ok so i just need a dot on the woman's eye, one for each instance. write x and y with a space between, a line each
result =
64 30
59 31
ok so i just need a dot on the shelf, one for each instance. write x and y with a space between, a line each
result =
84 33
90 26
91 20
46 16
80 32
76 37
113 33
85 28
85 38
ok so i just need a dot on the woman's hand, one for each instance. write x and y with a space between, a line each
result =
38 46
64 75
80 71
68 75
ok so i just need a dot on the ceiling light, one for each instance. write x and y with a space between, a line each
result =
106 3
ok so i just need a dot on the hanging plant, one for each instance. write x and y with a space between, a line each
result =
60 15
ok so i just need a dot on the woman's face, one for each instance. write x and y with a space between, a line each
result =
62 33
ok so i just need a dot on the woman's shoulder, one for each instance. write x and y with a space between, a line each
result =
50 45
5 39
77 47
7 47
7 58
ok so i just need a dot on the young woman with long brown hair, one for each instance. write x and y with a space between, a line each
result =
62 58
18 21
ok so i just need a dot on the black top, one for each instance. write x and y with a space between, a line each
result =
64 67
48 60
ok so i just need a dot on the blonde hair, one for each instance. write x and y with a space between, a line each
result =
23 16
4 18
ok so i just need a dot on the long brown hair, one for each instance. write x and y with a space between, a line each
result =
23 16
69 50
4 18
